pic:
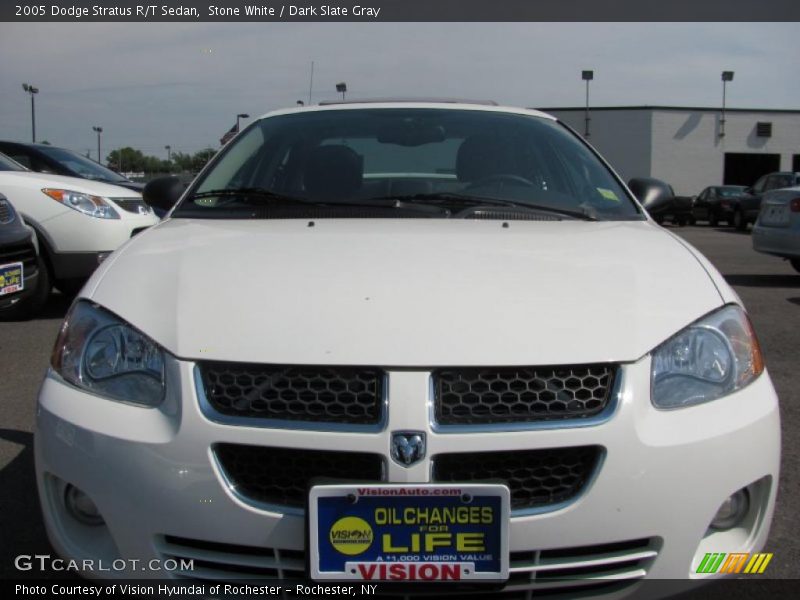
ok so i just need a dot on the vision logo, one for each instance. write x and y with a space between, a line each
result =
720 562
351 536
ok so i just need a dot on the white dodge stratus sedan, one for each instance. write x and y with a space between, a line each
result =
408 342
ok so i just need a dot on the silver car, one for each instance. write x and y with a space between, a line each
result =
777 230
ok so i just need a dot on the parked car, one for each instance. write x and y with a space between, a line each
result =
78 222
660 200
364 319
746 207
713 204
44 158
24 283
777 230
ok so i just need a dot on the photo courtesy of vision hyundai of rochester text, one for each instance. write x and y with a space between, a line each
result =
408 341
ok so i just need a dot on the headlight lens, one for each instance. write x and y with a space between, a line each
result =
713 357
94 206
100 353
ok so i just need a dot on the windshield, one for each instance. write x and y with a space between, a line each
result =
366 156
730 191
7 164
80 165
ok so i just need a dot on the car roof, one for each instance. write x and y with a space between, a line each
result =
429 104
26 144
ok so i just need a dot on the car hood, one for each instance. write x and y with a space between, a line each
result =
395 292
76 184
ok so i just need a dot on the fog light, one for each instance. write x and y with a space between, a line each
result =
81 507
732 511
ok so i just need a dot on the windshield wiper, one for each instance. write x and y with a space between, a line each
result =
253 192
270 197
446 199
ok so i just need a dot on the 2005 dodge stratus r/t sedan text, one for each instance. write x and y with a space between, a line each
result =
408 341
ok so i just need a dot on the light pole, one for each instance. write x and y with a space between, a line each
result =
240 116
98 130
587 76
168 148
32 90
726 77
341 88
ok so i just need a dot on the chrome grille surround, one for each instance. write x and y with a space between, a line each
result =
540 481
505 398
278 479
370 399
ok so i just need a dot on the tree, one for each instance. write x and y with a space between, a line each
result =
200 158
126 159
182 161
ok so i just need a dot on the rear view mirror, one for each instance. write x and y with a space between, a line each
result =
411 133
162 193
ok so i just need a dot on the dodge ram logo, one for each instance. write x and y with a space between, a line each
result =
408 447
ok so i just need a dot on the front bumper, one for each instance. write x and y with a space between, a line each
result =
645 515
779 241
18 246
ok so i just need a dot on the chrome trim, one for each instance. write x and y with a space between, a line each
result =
615 396
268 506
544 508
212 415
257 504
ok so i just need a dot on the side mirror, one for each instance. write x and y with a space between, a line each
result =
748 190
162 193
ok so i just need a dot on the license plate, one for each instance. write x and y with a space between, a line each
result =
775 216
409 532
11 279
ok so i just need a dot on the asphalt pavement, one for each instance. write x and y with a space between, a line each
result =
769 287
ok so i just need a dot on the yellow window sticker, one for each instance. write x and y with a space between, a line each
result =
608 194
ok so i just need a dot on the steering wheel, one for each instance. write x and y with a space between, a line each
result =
501 178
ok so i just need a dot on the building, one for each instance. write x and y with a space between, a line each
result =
688 147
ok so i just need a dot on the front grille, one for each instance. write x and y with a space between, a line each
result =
482 396
24 253
132 205
562 572
282 476
536 478
6 215
219 562
334 395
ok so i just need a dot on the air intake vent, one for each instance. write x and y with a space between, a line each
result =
764 129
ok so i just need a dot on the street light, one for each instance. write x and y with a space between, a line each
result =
240 116
32 90
98 130
168 148
341 88
726 77
587 76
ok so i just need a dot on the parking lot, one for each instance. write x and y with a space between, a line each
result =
769 287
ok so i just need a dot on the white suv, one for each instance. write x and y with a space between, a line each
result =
409 341
78 222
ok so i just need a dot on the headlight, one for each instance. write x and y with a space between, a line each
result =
94 206
712 357
100 353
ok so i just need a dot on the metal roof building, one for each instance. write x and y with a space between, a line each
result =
690 147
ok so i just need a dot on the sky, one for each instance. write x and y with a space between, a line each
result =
181 84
